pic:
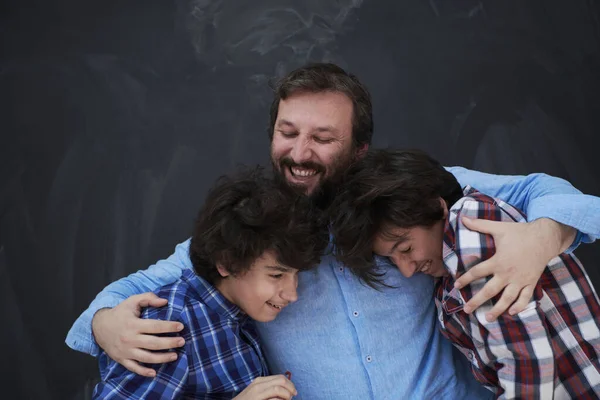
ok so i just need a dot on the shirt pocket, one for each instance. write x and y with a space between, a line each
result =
452 302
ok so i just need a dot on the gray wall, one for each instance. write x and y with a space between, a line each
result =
117 116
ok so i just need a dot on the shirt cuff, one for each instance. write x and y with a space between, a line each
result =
578 239
80 336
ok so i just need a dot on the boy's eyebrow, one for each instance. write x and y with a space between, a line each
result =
399 240
279 268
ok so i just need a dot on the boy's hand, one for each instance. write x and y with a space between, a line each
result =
128 339
267 388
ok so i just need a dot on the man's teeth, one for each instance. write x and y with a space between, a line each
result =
271 304
303 172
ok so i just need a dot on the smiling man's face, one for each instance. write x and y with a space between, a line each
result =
312 138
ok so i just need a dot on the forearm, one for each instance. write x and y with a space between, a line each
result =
160 274
80 335
581 212
557 237
540 196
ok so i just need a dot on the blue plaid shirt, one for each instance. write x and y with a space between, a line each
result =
221 355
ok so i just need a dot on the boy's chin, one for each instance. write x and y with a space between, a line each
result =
263 318
441 274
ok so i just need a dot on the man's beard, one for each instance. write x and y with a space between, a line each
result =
322 195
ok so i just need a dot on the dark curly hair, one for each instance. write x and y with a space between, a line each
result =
327 77
248 213
386 188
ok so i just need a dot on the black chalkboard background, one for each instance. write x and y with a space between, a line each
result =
116 117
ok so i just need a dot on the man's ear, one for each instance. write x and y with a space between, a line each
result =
223 271
361 151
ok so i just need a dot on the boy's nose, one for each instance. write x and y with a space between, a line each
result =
290 295
290 292
406 267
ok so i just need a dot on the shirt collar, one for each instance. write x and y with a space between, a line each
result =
451 298
449 240
212 298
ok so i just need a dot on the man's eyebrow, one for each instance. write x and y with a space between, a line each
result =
279 268
327 128
285 122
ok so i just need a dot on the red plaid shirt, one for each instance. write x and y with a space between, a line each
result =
548 351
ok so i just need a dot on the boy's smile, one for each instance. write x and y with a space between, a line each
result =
413 250
262 292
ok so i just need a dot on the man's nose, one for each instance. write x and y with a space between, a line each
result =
406 267
301 150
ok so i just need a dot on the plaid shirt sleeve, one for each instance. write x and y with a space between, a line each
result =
170 380
516 347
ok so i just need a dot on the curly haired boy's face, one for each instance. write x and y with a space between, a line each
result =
264 290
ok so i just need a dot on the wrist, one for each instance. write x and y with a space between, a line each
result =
556 237
97 320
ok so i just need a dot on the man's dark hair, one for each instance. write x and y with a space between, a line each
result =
325 77
387 189
249 213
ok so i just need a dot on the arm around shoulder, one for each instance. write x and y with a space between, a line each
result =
80 336
540 196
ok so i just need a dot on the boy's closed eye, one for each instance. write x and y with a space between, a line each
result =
278 271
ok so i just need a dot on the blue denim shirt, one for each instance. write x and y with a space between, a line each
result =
344 340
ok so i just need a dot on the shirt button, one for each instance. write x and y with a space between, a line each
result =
341 269
470 356
369 358
355 313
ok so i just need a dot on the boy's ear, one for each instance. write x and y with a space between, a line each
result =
444 207
222 271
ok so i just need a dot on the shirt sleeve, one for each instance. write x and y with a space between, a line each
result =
516 347
540 196
164 272
170 381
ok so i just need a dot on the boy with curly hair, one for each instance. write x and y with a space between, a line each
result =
251 238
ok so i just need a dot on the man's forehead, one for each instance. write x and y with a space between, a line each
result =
325 103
